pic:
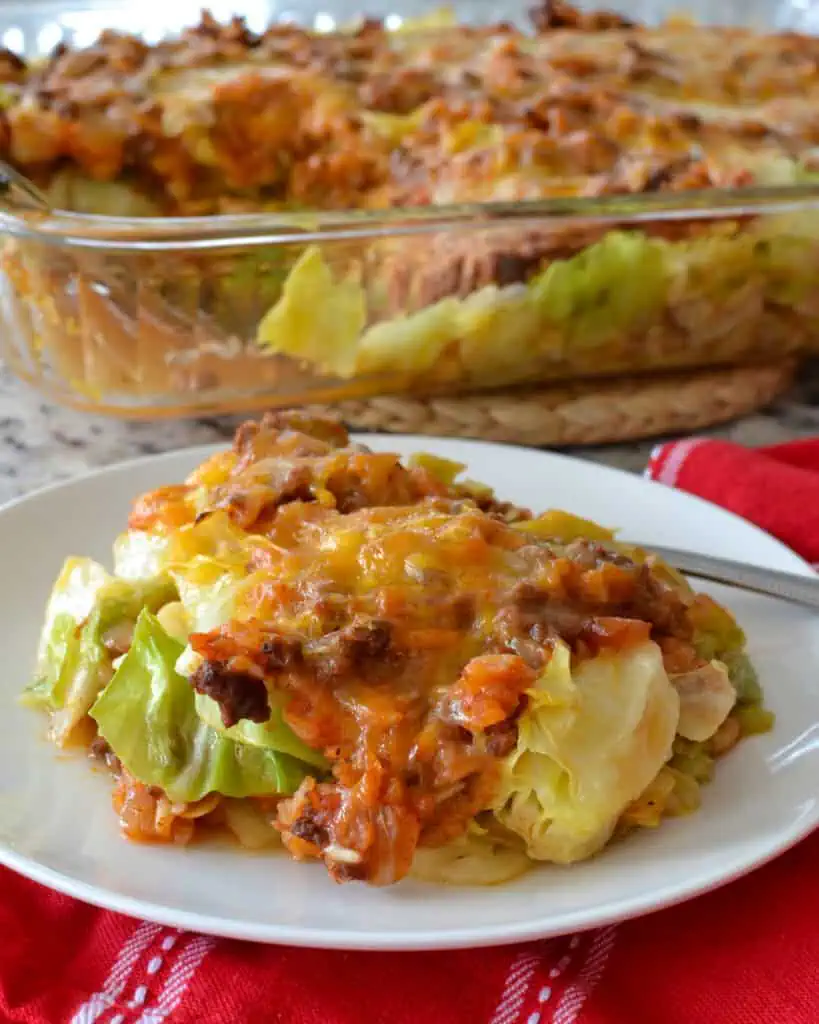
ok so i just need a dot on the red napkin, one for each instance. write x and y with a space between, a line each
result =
777 487
748 953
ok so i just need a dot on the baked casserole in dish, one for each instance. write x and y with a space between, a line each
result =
247 217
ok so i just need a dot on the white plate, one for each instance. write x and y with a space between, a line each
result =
57 825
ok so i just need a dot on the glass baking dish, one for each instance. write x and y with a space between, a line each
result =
161 316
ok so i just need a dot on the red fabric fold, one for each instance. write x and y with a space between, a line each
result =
747 953
777 487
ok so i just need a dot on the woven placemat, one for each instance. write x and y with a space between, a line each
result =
593 412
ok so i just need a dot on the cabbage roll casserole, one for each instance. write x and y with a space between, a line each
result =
349 145
384 667
222 119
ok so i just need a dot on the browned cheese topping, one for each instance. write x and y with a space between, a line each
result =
222 119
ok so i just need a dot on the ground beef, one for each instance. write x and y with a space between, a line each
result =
282 652
503 510
295 486
462 610
238 694
652 600
537 614
590 554
308 829
363 644
99 750
400 91
326 428
12 68
557 14
501 738
661 605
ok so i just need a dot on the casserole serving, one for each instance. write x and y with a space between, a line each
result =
386 666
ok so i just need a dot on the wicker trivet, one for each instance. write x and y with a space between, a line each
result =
593 412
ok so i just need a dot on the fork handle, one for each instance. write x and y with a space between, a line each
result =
786 586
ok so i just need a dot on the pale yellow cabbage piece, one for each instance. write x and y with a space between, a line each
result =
472 859
70 189
588 745
436 19
392 127
317 318
412 343
140 555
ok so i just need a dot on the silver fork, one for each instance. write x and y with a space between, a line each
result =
787 586
16 189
